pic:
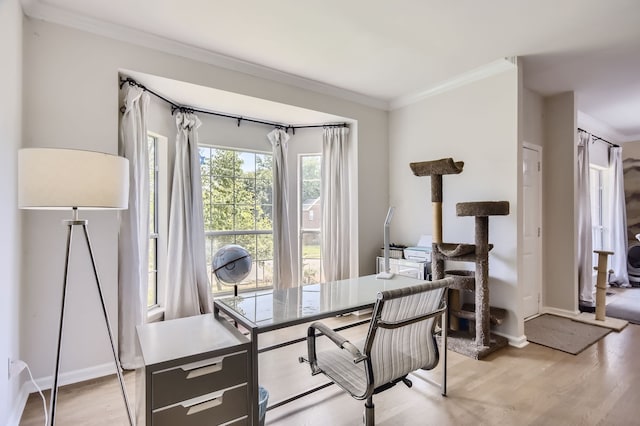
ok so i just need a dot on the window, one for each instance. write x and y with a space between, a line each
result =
158 230
152 296
310 263
237 209
599 210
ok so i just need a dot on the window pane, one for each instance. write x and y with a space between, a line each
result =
151 145
249 243
310 217
311 177
238 185
245 218
222 218
151 294
264 193
153 273
223 162
247 164
152 284
245 191
264 169
265 247
207 214
263 217
222 190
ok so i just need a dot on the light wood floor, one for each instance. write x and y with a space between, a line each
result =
530 386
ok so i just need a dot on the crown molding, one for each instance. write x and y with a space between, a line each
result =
36 9
482 72
603 130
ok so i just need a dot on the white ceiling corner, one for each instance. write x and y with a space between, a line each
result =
389 54
484 71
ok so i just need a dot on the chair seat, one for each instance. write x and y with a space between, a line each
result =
400 340
338 365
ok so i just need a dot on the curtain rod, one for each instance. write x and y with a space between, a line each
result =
177 107
599 138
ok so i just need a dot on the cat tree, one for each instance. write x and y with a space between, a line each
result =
476 342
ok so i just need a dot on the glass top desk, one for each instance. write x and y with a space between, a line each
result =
270 310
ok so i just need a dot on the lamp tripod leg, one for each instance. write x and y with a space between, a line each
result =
108 324
54 387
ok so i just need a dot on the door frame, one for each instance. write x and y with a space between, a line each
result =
538 149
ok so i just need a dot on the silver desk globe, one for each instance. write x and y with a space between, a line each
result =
231 264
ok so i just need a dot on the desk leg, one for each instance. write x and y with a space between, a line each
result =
254 396
445 326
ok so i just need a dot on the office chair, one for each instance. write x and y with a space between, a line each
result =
400 340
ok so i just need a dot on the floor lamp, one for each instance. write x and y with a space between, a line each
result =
54 179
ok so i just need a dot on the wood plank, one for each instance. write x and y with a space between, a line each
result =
533 385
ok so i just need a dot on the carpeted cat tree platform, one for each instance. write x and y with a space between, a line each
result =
477 341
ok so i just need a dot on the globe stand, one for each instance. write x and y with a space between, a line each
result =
231 264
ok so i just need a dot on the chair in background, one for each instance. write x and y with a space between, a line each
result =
400 340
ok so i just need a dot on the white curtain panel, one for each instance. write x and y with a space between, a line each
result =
618 219
188 290
133 239
283 274
335 196
585 237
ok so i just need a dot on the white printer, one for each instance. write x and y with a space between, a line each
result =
417 253
420 252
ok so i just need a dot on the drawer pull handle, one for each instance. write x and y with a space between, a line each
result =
204 406
197 372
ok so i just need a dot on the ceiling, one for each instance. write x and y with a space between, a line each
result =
388 51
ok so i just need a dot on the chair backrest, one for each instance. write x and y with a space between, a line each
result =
400 338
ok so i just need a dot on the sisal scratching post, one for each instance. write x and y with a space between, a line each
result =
601 284
482 281
481 210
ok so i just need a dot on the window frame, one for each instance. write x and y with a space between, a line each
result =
599 206
302 231
156 312
237 232
152 141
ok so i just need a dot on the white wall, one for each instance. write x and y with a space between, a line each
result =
71 100
533 119
10 139
559 219
599 154
477 124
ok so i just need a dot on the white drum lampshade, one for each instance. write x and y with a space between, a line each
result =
53 178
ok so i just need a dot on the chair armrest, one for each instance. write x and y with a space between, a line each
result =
336 338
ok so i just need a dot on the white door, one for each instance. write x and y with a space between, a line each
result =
531 271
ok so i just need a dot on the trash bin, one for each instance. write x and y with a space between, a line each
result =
263 399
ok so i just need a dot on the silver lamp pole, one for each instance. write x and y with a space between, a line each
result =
386 274
54 389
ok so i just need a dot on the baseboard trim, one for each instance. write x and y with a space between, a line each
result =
517 342
74 376
18 408
560 312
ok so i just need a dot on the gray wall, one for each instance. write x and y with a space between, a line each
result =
475 123
11 22
559 218
71 100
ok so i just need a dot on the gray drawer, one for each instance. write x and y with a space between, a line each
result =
213 409
198 378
